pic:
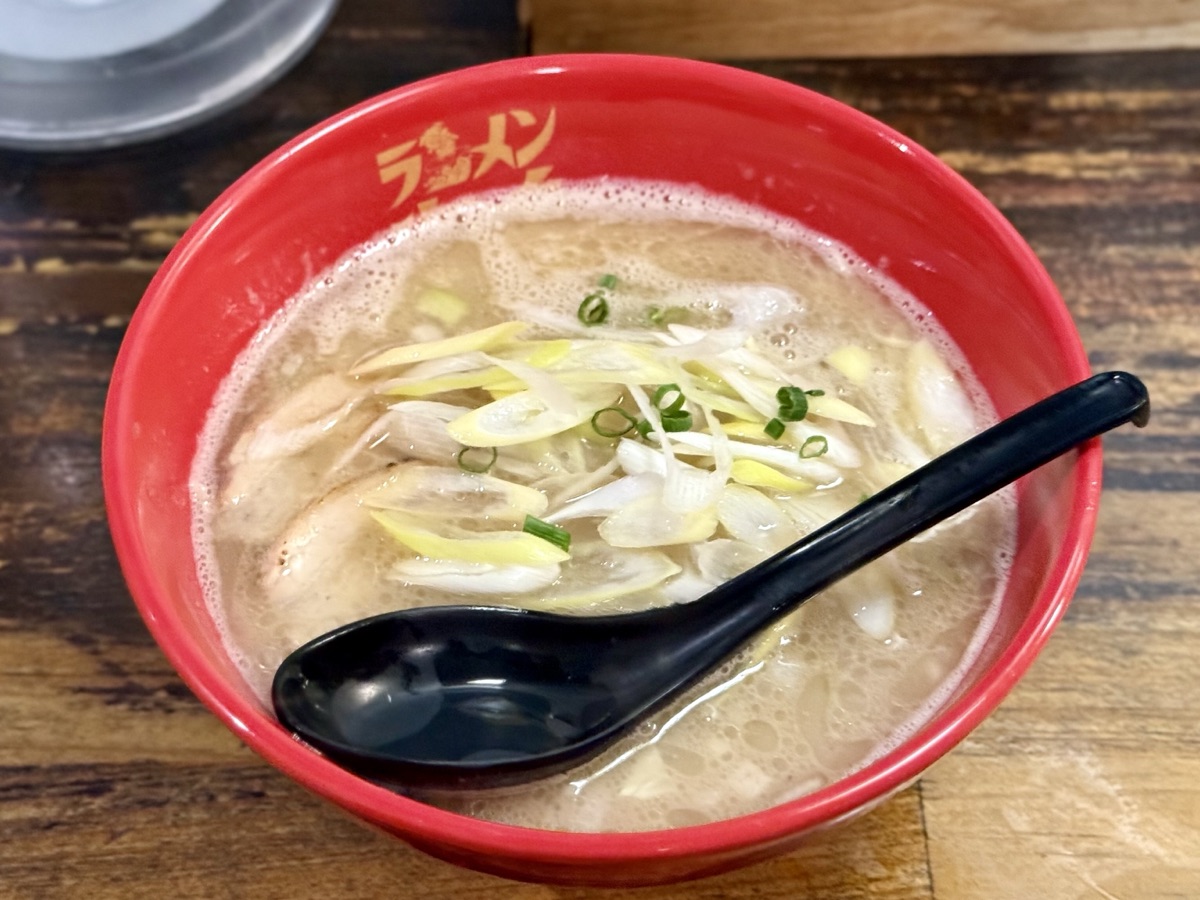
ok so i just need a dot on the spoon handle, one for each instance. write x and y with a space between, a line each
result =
947 485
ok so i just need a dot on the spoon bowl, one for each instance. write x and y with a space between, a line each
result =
477 696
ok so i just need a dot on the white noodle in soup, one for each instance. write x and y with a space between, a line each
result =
384 438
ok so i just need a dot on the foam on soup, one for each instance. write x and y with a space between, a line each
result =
312 487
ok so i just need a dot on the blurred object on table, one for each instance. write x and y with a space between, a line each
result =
83 74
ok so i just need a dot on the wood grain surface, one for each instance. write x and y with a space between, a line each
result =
116 783
760 29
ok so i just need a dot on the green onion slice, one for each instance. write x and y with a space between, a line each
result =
593 310
679 421
548 531
608 282
814 446
774 429
793 404
675 396
476 459
617 422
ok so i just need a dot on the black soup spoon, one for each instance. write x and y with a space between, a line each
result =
473 696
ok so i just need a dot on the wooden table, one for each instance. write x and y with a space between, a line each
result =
115 782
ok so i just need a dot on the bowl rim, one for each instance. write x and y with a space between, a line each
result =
425 824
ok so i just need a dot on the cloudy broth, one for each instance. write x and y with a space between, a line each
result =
299 456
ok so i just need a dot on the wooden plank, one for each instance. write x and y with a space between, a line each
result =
758 29
239 829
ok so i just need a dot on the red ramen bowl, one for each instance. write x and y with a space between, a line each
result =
754 138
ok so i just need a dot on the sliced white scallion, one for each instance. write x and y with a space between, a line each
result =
547 388
460 545
626 572
815 470
869 598
647 522
416 429
721 559
686 489
939 404
828 407
408 354
456 496
636 458
521 417
606 500
475 578
752 473
754 518
852 361
447 308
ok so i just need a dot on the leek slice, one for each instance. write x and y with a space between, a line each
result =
721 559
447 308
827 407
483 339
754 518
686 343
646 776
612 362
607 499
637 459
521 417
753 473
548 388
646 522
940 405
627 572
417 428
460 381
475 578
747 430
869 598
457 544
456 495
697 390
852 361
816 470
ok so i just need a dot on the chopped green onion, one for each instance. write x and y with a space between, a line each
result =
793 404
548 531
593 310
611 430
678 421
814 446
476 459
774 429
676 404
